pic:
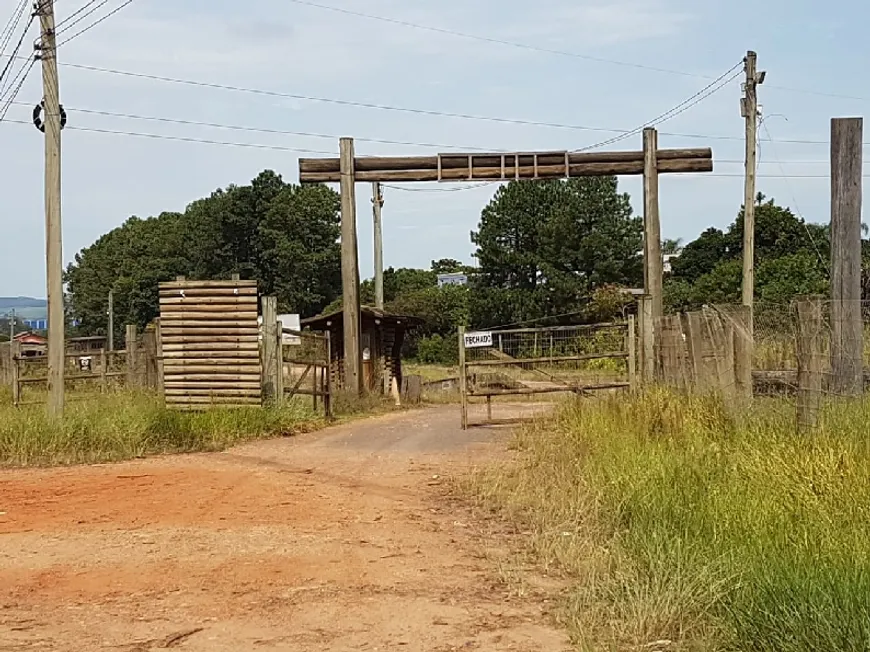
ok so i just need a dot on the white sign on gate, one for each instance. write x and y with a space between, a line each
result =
478 340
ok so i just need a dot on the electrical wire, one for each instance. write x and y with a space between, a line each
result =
340 102
95 23
684 106
487 39
12 25
16 88
184 139
14 54
65 24
575 55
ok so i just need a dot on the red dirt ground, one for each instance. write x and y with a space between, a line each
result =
339 540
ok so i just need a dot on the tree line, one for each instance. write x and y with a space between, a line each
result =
547 252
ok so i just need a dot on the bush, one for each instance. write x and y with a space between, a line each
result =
438 350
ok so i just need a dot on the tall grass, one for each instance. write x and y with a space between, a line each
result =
677 521
126 425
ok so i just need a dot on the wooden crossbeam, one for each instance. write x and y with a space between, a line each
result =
504 166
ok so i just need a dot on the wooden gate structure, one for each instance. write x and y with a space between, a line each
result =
348 169
209 344
538 361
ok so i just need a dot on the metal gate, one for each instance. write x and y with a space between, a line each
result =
530 362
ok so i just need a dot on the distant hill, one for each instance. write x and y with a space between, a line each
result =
7 303
24 307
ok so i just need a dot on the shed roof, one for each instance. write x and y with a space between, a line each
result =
320 321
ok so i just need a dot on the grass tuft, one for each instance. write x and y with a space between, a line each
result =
125 425
678 522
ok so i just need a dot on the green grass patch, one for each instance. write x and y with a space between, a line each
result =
677 520
124 425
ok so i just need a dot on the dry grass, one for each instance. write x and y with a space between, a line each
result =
123 425
679 521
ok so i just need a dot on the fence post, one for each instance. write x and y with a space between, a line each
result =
744 346
809 354
647 338
270 355
279 372
327 400
463 380
104 378
158 351
15 348
631 344
132 346
696 351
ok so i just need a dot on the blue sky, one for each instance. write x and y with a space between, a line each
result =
816 54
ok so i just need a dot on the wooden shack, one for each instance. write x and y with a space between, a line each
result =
381 338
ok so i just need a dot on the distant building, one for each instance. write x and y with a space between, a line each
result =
457 278
666 262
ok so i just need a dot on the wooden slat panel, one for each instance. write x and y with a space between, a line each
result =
191 293
193 347
216 400
176 363
213 384
218 322
207 303
216 392
187 340
217 376
185 331
227 285
238 368
225 354
195 306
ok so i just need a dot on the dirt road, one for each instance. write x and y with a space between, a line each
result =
338 540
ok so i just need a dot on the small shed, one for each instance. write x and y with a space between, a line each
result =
92 344
381 338
32 345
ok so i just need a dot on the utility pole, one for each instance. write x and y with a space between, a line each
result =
377 205
847 332
110 334
350 271
12 326
749 111
53 237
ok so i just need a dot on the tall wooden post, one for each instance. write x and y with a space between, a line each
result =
647 343
15 352
131 344
810 343
631 344
270 353
110 330
846 319
653 264
350 271
749 111
53 232
463 380
377 205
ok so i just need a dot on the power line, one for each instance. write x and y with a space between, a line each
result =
184 139
12 25
563 53
15 51
15 88
62 25
263 130
95 23
684 106
339 102
487 39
